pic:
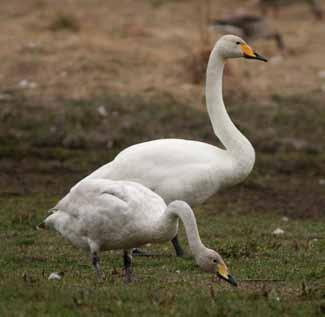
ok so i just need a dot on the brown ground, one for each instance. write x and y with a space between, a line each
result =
79 49
133 58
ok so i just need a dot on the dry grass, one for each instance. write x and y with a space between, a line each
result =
140 47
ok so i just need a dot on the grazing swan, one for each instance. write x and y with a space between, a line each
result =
102 215
189 170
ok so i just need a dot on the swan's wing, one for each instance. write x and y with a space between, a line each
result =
135 197
91 195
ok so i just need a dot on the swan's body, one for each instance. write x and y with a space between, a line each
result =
189 170
107 215
175 169
100 215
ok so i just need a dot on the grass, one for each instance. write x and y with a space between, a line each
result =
288 270
278 275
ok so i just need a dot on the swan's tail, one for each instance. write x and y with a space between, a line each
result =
42 225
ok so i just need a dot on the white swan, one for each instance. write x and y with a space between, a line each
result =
106 215
189 170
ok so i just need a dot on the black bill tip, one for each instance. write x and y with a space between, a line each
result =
257 56
260 57
231 280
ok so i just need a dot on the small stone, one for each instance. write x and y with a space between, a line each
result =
178 271
321 181
27 84
278 231
23 83
285 219
56 276
321 74
102 111
273 295
53 129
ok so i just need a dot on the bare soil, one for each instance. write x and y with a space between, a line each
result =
79 49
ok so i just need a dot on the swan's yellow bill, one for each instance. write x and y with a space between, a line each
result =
247 50
224 274
223 271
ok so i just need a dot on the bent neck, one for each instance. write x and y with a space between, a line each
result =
180 209
232 139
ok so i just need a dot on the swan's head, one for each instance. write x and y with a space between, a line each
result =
211 261
232 46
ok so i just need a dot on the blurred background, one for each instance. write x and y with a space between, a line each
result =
80 80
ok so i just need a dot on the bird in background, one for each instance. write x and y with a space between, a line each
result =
275 6
250 27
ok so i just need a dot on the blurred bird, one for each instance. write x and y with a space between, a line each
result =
250 27
315 6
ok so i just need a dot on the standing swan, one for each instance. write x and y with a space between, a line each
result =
188 170
107 215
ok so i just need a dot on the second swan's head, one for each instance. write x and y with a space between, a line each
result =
211 261
232 46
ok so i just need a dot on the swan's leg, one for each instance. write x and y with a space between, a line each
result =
127 259
95 262
179 250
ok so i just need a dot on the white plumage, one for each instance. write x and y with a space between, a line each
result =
189 170
107 215
102 215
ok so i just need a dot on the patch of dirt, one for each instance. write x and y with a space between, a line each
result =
54 149
78 49
59 58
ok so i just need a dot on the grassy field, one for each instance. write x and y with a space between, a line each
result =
43 152
81 80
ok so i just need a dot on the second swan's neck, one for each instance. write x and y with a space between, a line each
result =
180 209
232 139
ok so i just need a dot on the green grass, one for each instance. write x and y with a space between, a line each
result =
277 275
43 153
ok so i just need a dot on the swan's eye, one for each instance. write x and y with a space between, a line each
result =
237 43
214 261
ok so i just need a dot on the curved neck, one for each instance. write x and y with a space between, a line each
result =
233 140
180 209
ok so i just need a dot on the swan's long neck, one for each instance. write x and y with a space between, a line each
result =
180 209
233 140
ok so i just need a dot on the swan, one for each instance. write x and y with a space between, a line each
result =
100 214
187 170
